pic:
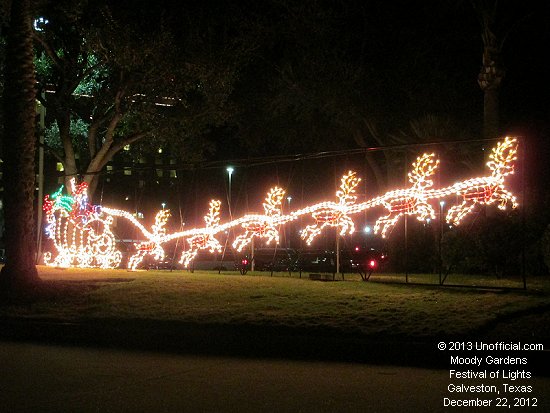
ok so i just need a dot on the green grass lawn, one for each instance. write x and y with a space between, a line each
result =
372 309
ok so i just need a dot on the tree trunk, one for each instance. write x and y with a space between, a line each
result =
19 274
491 113
69 160
492 71
93 182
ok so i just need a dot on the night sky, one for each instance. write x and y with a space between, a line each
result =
392 62
420 57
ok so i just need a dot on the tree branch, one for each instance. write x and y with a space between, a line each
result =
99 163
48 49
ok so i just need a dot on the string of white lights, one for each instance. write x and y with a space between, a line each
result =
82 234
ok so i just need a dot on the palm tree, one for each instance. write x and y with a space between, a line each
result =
19 273
492 70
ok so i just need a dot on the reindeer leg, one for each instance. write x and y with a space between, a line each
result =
347 225
272 235
424 211
505 197
453 211
387 223
136 259
242 241
310 232
459 212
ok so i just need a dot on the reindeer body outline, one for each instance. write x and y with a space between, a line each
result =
205 239
262 226
332 214
489 189
410 201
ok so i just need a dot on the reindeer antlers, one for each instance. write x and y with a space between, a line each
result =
424 167
347 188
503 155
273 201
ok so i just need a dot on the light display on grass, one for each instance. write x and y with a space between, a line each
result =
205 240
152 246
486 189
82 234
334 214
263 226
409 201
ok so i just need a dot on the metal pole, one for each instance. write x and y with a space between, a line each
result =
523 275
406 227
288 231
230 172
441 204
406 250
252 266
337 252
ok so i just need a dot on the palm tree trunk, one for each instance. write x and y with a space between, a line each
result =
491 113
19 273
492 70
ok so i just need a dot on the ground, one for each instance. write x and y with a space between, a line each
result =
383 320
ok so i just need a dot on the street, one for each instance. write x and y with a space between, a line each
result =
47 378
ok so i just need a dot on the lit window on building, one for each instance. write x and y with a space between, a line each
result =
160 173
173 173
59 167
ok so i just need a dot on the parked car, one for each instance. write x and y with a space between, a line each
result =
361 260
364 260
270 259
205 260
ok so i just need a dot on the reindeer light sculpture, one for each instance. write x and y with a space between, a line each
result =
262 226
82 234
487 189
334 214
410 201
204 240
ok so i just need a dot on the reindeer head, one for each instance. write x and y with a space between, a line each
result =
273 201
160 222
423 168
212 219
503 157
347 188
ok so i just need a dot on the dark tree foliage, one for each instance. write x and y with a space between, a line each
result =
123 77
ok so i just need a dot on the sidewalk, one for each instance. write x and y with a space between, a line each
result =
58 379
250 341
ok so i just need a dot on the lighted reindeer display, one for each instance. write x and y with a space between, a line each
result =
487 189
409 201
262 226
82 236
204 240
152 246
334 214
